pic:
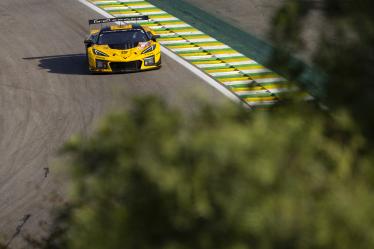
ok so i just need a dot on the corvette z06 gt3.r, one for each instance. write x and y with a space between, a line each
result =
123 47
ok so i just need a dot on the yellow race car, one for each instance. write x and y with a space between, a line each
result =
123 47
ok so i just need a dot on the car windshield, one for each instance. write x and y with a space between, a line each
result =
133 36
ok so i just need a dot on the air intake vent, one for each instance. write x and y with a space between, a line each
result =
126 66
123 46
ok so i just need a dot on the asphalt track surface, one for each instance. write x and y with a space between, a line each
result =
47 94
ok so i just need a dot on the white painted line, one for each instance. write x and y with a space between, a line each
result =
274 90
164 19
178 59
168 35
174 42
198 57
228 55
190 33
212 65
203 40
239 82
197 49
234 73
253 92
126 1
261 70
117 8
270 80
218 47
154 13
267 102
171 26
242 63
137 14
181 33
104 2
282 90
134 14
144 6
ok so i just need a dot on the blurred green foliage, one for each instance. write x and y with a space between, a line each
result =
345 52
220 177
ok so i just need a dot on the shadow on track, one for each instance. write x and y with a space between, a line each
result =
63 64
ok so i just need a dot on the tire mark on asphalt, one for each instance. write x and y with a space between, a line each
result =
61 97
18 230
46 172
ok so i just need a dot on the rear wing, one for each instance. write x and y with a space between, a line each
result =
118 19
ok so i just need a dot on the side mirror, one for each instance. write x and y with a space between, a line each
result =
88 42
154 37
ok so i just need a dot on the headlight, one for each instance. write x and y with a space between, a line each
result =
97 52
149 49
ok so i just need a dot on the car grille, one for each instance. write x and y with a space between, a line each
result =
126 66
123 46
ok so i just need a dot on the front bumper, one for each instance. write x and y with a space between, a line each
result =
108 66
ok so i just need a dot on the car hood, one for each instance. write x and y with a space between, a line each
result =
115 50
